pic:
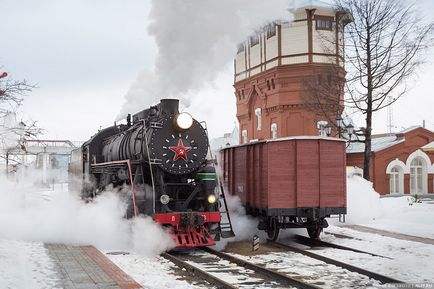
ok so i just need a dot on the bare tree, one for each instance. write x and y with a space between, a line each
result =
384 46
323 94
14 130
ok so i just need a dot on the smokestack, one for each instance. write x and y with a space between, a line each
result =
423 123
169 106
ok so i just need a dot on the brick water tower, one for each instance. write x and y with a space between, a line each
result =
290 76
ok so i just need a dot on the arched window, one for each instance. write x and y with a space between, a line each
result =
418 176
244 135
396 170
395 181
258 113
274 130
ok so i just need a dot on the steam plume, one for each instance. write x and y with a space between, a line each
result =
196 40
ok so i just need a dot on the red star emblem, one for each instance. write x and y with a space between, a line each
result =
180 151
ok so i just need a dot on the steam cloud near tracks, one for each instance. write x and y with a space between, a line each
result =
62 217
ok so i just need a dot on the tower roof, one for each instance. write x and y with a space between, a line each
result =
311 4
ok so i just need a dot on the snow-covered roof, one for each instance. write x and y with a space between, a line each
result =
428 147
302 137
311 4
377 144
381 142
410 129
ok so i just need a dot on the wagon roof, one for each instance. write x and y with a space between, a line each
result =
253 142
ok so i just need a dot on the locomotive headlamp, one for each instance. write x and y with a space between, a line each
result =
212 198
164 199
184 120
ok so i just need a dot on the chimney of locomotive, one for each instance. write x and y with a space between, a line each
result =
169 106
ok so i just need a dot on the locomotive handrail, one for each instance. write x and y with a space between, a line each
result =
150 165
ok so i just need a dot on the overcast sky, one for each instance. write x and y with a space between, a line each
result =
85 55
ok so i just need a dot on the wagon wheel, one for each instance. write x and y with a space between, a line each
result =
273 229
314 232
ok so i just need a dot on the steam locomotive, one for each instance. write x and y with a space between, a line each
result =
158 160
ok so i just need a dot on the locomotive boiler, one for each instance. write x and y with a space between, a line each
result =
158 161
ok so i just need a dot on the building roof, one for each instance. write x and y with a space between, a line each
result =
410 129
377 144
311 4
383 141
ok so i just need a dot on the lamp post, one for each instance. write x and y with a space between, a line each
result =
350 130
339 125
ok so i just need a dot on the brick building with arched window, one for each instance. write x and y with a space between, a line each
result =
401 163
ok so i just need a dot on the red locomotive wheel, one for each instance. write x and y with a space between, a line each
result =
273 229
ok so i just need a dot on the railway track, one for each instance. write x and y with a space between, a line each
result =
381 278
226 271
319 243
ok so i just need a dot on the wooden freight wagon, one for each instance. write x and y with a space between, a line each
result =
293 182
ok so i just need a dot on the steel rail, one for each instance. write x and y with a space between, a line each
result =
198 272
319 243
276 276
378 277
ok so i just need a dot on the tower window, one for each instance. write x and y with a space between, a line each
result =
271 30
254 40
244 135
324 23
240 48
258 113
274 130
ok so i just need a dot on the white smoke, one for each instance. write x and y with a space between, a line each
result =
62 217
244 226
196 39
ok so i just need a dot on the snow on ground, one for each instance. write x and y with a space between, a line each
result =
312 271
61 217
150 272
400 215
396 214
25 265
408 261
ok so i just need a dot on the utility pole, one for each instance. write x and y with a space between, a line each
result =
390 116
7 163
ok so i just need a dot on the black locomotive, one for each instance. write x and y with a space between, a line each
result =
158 159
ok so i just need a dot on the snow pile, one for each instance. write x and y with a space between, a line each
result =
363 202
56 217
403 215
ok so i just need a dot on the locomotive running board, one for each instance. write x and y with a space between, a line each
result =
226 230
